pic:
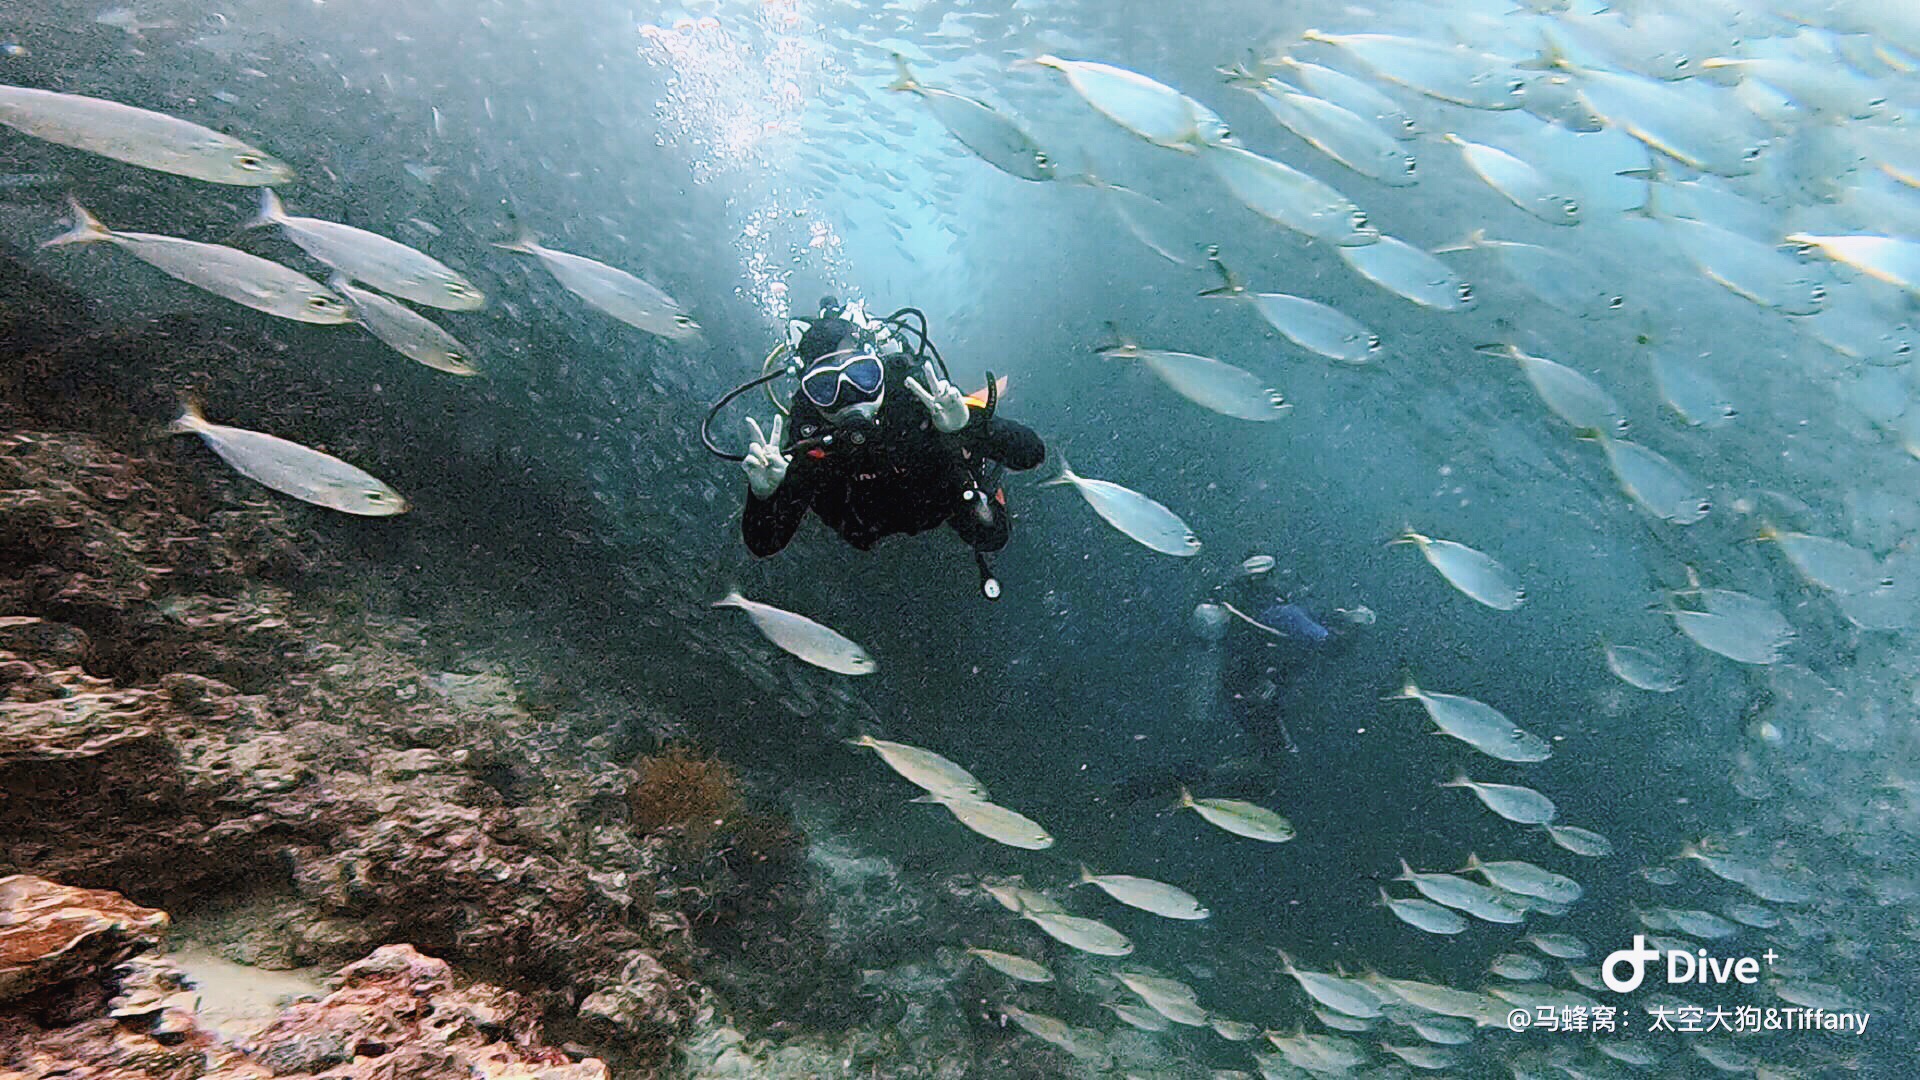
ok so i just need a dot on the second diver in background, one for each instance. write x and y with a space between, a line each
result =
1254 639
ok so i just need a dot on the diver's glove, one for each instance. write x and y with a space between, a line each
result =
943 399
765 465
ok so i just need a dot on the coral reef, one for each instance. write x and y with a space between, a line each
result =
207 704
198 704
395 1013
691 794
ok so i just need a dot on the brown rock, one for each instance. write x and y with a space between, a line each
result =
52 934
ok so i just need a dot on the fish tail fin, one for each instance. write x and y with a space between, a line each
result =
1311 34
1472 240
191 420
272 212
1473 863
1499 348
1116 340
929 797
733 599
525 240
903 79
1459 780
860 742
1066 474
86 228
1230 283
1767 532
1407 692
1409 536
1186 797
1406 871
1086 875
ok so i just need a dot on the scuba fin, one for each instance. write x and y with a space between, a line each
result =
978 399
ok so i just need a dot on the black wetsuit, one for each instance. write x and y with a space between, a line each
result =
905 477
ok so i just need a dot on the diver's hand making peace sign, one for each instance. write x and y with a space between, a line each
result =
766 466
943 399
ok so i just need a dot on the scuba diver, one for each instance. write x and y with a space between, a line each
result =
876 440
1252 637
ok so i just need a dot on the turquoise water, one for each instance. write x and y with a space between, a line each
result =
746 158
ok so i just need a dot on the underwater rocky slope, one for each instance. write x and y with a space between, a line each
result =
209 707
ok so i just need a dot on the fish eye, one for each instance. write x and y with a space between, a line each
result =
1621 425
1729 411
1682 63
1373 342
1818 294
1407 125
319 303
1615 303
1570 207
1359 221
373 495
249 162
1412 166
1465 292
1516 87
1705 506
682 320
1040 158
1752 153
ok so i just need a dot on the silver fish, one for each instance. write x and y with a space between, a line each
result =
1354 95
638 303
405 330
140 137
1285 195
387 265
1552 277
1341 135
239 276
292 469
1307 323
1520 182
1150 109
1143 520
1449 72
1690 122
980 127
1209 383
1752 270
1410 273
799 636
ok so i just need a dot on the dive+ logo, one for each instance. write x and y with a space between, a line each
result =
1682 967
